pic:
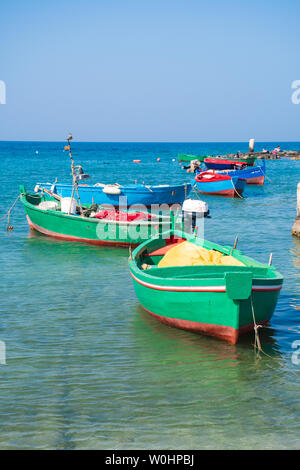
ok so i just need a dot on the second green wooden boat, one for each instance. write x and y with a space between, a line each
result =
107 231
224 301
182 157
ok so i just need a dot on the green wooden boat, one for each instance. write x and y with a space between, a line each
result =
216 300
57 224
188 158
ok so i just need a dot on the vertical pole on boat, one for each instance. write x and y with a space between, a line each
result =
75 182
270 259
235 244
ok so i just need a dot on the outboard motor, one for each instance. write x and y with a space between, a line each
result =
192 211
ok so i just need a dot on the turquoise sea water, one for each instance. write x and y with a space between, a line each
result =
86 367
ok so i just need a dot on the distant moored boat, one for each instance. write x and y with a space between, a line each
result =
252 174
219 185
182 157
222 163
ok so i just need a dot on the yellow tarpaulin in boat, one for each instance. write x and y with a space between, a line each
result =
188 254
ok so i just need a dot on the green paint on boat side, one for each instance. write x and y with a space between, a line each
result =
73 227
188 158
216 298
238 284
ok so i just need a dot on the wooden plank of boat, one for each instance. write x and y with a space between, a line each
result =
217 301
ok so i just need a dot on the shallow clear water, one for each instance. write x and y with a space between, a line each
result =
87 368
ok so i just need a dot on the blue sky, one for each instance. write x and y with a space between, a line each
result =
110 70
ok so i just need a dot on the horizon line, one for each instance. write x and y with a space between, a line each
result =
154 141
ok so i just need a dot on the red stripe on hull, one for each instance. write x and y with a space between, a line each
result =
225 333
60 236
257 180
180 288
200 288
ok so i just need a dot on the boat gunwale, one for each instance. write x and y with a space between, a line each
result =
127 188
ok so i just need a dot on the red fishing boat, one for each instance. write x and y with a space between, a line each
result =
223 164
217 184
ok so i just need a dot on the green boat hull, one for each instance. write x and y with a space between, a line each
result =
219 301
188 158
84 229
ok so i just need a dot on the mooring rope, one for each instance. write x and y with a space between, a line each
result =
8 214
268 178
239 195
257 343
195 191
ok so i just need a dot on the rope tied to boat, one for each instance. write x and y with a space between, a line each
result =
9 227
268 178
195 191
239 195
257 343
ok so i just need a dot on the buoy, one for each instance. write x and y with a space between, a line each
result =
158 159
111 189
136 161
36 152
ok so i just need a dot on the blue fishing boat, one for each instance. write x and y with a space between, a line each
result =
252 175
115 194
211 183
